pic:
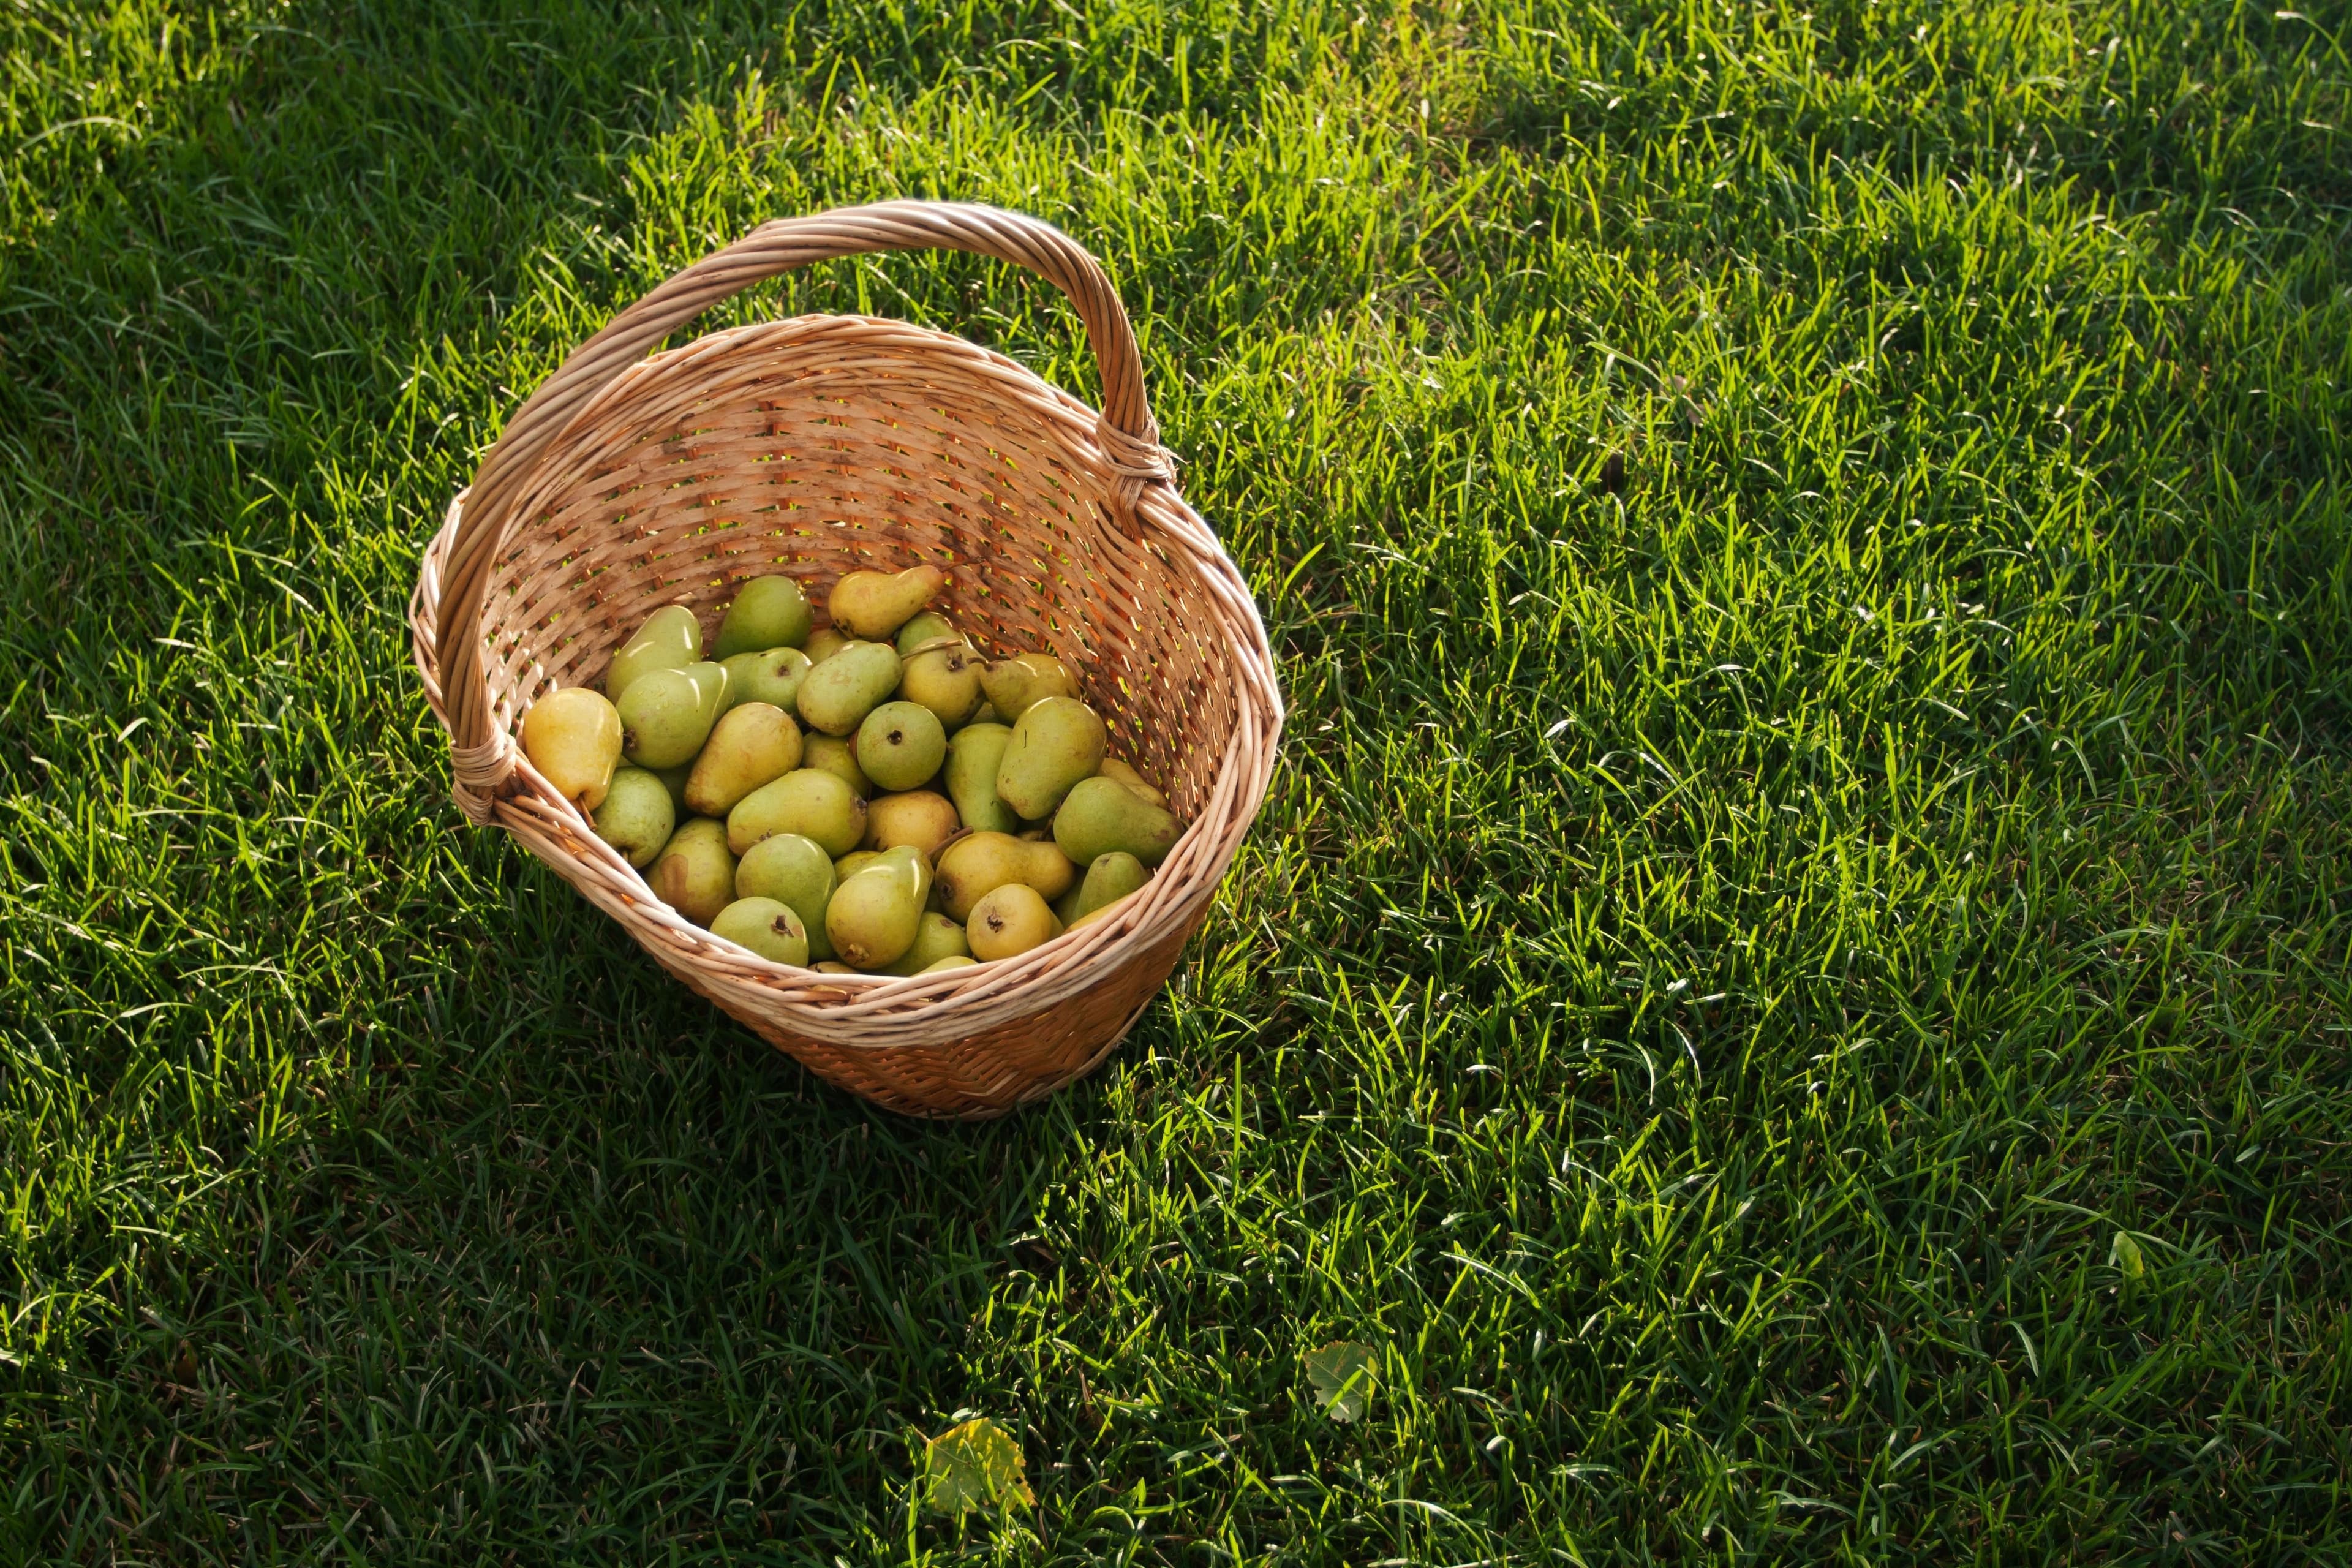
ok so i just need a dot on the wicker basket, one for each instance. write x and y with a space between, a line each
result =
819 446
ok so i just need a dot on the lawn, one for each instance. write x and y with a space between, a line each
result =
1793 983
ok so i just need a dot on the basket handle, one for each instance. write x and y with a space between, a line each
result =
484 762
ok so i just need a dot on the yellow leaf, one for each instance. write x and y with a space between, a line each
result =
974 1466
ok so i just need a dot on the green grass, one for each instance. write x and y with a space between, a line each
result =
1810 554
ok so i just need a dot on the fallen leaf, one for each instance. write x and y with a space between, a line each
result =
974 1466
1343 1376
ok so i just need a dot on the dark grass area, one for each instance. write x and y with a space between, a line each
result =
1811 558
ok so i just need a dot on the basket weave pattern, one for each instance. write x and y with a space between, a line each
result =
820 446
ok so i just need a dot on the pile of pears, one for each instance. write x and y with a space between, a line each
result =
871 797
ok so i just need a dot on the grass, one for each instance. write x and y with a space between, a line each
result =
1810 554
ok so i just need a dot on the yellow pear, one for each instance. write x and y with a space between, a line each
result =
1055 743
936 937
671 638
1110 878
750 746
873 606
824 644
770 928
918 817
1017 684
979 863
877 911
1009 921
695 874
1101 814
636 817
805 801
837 755
573 738
1112 768
767 611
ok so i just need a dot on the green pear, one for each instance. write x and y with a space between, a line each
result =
767 611
931 626
1100 816
946 681
1017 684
834 966
873 605
671 638
1010 920
901 744
774 931
1091 916
917 818
953 961
666 715
849 865
695 873
1113 768
792 869
836 696
837 754
806 801
1055 743
979 863
936 937
824 644
877 911
636 816
748 747
573 738
974 753
987 715
1110 878
772 676
674 780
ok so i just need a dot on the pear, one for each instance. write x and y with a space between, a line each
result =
873 605
573 738
833 966
774 931
849 865
936 937
877 911
772 676
793 869
1055 743
918 817
1012 919
1110 878
946 681
767 611
1102 815
674 780
1091 916
987 715
806 801
838 756
671 638
823 645
1017 684
974 753
1113 768
748 747
928 627
901 744
953 961
979 863
695 874
636 816
836 696
666 715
